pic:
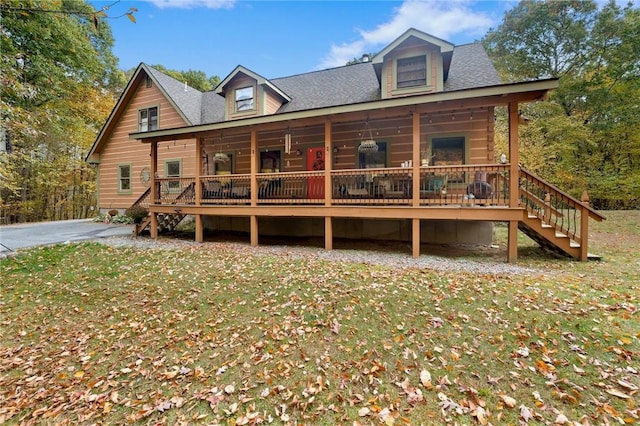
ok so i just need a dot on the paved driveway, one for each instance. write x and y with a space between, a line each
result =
13 237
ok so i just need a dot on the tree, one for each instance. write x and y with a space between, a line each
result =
59 81
196 79
586 136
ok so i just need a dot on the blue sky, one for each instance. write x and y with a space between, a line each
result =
282 38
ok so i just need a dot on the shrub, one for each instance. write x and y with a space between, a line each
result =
137 212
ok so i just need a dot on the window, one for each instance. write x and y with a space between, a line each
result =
148 119
374 160
449 151
124 178
244 99
270 162
411 72
147 81
173 169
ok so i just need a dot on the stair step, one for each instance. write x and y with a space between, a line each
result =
573 244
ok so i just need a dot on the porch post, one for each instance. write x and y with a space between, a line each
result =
154 188
415 184
584 227
253 220
514 175
328 193
198 183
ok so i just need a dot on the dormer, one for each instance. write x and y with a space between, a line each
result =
415 63
248 94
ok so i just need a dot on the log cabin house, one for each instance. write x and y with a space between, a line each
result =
398 147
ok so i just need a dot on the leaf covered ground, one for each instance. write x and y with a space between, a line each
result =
202 334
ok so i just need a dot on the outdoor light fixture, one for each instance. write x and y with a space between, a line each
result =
367 146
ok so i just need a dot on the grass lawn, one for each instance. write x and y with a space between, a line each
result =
202 334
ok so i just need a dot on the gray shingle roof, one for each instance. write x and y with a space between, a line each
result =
471 68
187 99
351 84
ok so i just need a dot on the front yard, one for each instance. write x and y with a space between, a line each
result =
217 335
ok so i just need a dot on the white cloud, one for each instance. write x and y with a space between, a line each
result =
442 19
191 4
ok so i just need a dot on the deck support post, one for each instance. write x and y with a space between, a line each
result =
584 227
199 229
254 230
415 238
155 193
512 242
253 171
328 233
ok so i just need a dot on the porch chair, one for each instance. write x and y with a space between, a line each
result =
434 186
389 188
479 188
352 187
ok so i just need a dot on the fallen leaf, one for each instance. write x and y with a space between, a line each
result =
364 411
507 400
425 379
619 394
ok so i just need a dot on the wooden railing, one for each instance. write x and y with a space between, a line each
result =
468 185
175 190
568 215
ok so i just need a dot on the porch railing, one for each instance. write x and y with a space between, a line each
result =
566 214
175 190
467 185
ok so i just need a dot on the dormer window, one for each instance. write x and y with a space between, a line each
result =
244 99
411 72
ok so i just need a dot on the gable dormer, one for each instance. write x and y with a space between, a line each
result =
415 63
248 94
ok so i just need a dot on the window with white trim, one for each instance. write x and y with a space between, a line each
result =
148 119
244 99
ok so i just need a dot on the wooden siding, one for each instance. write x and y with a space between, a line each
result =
119 149
476 125
272 102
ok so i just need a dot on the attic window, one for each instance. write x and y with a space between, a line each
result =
147 81
412 72
148 119
244 99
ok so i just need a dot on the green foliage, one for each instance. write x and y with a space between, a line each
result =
587 135
196 79
59 83
137 212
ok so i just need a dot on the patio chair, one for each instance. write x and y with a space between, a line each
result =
390 189
479 188
434 186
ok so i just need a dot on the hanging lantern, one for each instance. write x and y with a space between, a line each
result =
220 157
369 145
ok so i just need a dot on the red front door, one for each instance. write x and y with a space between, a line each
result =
315 162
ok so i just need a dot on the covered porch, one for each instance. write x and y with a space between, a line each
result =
433 159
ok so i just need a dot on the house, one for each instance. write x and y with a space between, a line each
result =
399 147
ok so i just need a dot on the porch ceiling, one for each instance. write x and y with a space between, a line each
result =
442 101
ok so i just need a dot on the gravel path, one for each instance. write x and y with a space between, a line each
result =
389 259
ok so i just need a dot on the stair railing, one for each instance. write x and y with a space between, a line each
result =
566 214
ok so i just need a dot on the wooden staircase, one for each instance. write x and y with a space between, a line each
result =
166 221
554 219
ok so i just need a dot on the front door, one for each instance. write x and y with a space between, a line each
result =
315 162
